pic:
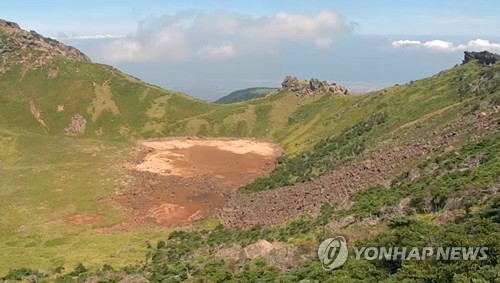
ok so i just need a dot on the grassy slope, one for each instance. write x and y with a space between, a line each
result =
47 180
46 177
142 110
345 128
189 255
246 94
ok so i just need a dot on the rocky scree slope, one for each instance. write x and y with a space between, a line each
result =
13 40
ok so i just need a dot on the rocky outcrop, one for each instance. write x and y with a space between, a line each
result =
36 113
484 57
8 24
16 39
77 126
312 87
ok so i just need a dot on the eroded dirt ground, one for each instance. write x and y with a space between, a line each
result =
180 180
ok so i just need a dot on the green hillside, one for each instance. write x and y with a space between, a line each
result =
245 94
67 126
114 105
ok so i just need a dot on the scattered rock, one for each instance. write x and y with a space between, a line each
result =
53 73
413 174
77 126
277 206
447 216
99 132
133 279
229 254
4 23
36 113
336 224
454 203
276 254
18 39
475 161
284 257
403 208
32 279
259 249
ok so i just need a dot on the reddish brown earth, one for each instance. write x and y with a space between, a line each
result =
178 181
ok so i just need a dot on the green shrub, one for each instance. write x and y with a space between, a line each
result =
325 156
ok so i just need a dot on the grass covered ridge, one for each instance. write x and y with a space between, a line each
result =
46 177
246 94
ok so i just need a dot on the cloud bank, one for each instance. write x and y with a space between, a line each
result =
191 35
447 46
63 36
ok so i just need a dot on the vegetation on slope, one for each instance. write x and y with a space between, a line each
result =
297 124
477 90
114 105
47 175
190 255
326 155
246 94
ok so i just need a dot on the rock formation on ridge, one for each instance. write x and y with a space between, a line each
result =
484 57
312 87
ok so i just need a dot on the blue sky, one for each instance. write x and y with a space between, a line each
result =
428 17
208 48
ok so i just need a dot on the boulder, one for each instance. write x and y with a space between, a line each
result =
290 82
276 254
315 84
4 23
484 57
259 249
229 253
312 87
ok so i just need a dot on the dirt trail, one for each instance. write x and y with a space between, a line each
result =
184 179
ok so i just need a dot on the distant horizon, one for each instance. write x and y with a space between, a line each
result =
208 50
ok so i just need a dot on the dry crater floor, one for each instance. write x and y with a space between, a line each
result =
181 180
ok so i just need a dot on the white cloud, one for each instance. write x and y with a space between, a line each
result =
323 26
439 45
97 36
218 52
447 46
190 35
483 44
403 43
129 50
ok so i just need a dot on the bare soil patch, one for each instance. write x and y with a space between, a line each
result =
235 161
180 180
